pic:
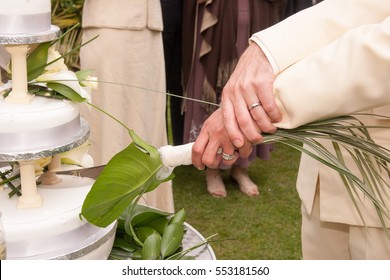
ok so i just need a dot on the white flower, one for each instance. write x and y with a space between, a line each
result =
91 82
40 164
57 66
78 156
67 78
4 87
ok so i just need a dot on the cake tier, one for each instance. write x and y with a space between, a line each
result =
30 38
61 206
54 230
25 16
43 125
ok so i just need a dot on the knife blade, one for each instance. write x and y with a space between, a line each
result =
90 172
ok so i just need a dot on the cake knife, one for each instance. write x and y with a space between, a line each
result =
171 156
90 172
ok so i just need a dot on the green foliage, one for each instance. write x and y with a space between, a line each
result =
349 134
138 235
143 215
151 250
65 14
66 91
37 61
172 238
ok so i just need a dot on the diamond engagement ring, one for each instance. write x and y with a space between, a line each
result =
254 105
228 157
219 151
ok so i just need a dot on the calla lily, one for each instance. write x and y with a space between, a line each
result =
58 65
66 78
40 165
78 156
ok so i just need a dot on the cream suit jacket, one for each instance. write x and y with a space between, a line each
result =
332 59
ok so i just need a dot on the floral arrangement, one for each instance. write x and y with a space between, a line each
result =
149 234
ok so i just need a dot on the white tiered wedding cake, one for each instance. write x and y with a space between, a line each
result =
44 222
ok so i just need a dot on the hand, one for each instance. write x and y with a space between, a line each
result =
250 83
213 137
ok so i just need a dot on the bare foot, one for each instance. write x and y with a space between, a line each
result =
215 185
244 182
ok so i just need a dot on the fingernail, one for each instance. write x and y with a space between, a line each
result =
237 143
200 167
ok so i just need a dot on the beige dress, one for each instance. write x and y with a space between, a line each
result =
128 60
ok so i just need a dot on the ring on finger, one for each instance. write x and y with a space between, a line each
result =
254 105
228 157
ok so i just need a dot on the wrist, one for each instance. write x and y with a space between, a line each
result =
266 53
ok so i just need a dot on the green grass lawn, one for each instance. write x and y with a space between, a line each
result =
263 227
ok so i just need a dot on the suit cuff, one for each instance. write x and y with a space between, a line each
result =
266 52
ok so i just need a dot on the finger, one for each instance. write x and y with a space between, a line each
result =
248 127
230 121
217 151
246 150
262 120
197 151
212 157
229 153
264 84
271 108
230 159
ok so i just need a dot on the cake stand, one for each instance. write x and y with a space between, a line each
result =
43 223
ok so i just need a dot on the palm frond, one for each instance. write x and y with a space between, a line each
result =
349 134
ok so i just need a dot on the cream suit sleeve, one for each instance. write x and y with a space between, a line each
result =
341 73
311 29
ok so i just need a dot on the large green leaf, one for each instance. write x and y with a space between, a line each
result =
159 224
37 61
82 75
144 232
152 247
124 245
127 175
142 215
179 217
172 239
66 92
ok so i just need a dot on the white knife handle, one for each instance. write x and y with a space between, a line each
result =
173 156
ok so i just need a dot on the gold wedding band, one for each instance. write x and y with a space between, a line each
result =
254 105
